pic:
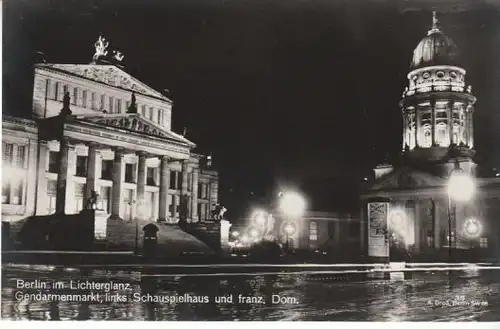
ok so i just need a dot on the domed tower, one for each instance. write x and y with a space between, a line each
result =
437 106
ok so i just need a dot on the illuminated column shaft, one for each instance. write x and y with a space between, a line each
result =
433 122
117 183
62 176
417 123
450 120
141 184
471 127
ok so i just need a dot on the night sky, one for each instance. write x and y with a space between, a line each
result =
284 92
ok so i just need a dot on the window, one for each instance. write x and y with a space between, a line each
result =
159 116
103 99
93 104
483 242
151 112
8 151
107 169
79 196
190 179
200 186
150 178
198 213
172 180
143 110
111 103
104 199
179 180
48 88
84 98
118 106
5 190
313 231
21 157
430 241
129 173
53 162
81 166
51 193
75 96
56 91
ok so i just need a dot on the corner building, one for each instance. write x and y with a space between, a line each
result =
438 137
96 128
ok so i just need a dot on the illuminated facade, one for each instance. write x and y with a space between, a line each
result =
438 136
96 128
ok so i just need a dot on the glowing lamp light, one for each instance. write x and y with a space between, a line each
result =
254 233
472 228
260 218
290 228
235 234
460 186
292 204
245 239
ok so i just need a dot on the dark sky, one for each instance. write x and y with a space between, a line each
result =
277 90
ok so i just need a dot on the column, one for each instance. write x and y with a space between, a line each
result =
450 120
194 195
117 183
41 193
70 207
405 129
433 122
471 126
164 185
184 206
62 176
184 184
141 184
91 170
16 185
203 211
417 123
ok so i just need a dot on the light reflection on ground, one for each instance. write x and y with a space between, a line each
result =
473 294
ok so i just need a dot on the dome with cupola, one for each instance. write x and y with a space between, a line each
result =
435 49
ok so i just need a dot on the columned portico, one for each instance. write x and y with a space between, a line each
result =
117 183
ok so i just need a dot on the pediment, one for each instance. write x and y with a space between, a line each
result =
108 74
136 123
407 178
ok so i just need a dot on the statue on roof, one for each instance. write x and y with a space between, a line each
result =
118 56
101 46
66 100
133 104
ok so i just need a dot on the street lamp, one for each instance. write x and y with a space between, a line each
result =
461 188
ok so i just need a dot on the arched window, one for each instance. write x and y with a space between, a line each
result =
313 231
427 138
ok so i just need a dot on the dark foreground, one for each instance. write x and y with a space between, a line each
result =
472 295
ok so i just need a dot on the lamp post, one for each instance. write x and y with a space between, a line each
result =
292 205
461 188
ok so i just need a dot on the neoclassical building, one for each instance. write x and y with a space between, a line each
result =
94 127
408 206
